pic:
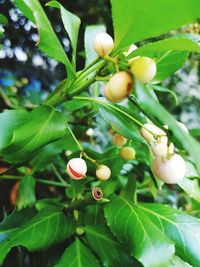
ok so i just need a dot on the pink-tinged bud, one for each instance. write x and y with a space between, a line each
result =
119 86
77 168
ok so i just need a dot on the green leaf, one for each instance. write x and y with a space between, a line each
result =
169 63
136 20
48 41
76 188
177 262
166 90
134 228
71 24
90 33
181 42
26 193
195 132
1 32
182 229
47 154
77 255
150 105
110 252
3 19
45 229
191 187
44 125
119 120
10 120
13 221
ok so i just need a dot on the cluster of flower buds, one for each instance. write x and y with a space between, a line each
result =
120 84
77 168
126 152
167 166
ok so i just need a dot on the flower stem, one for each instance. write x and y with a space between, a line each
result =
42 181
75 139
57 174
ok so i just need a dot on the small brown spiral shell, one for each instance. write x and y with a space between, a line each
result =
97 193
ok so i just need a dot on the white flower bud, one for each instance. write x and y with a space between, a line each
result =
103 172
144 69
152 128
103 44
77 168
160 147
170 171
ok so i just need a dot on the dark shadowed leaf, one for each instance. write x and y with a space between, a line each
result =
77 255
110 252
26 193
14 220
45 229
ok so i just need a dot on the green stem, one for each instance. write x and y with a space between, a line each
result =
75 139
42 181
111 59
86 73
78 89
94 62
100 78
57 174
81 148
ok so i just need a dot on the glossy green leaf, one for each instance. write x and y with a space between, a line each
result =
90 33
10 120
181 42
26 193
182 229
119 120
48 41
44 125
166 90
13 221
71 23
136 20
135 229
150 105
77 255
47 154
169 63
195 132
45 229
191 187
109 251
